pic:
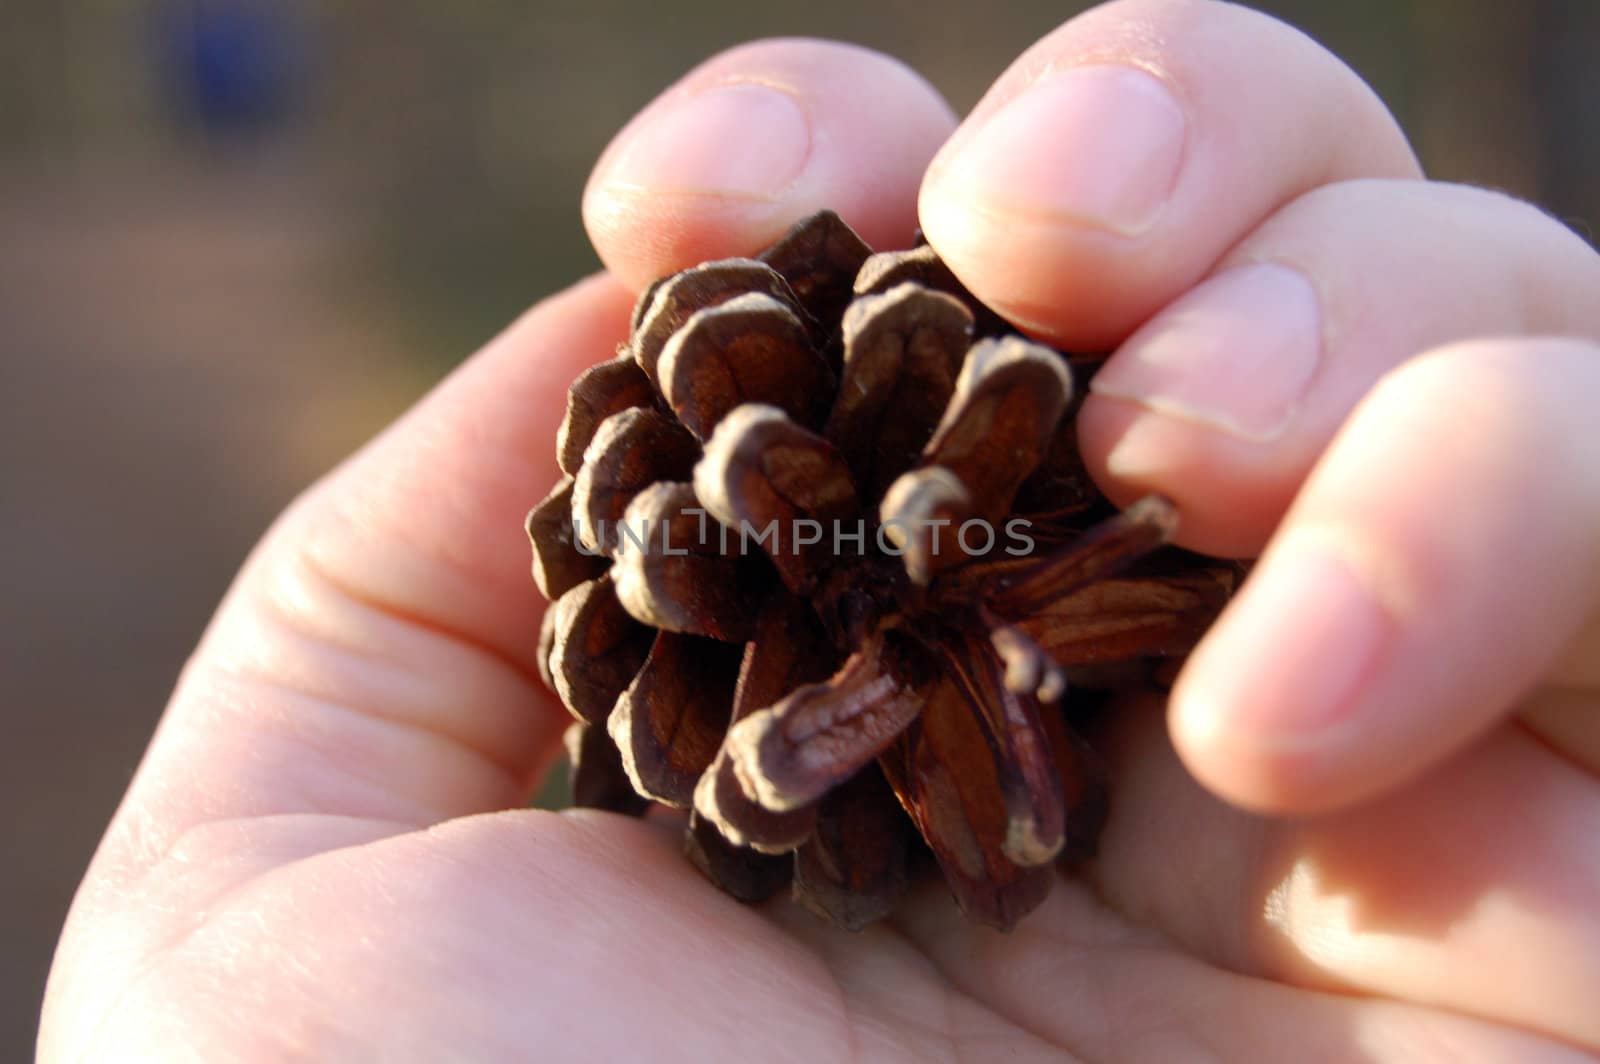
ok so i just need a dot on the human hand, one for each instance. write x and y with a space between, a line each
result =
323 853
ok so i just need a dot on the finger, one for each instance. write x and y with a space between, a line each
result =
1110 989
755 138
1122 155
1225 399
375 657
1435 566
1401 898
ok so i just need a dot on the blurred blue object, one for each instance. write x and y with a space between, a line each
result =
237 66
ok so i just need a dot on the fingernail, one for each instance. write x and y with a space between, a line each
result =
741 140
1291 657
1236 354
1094 145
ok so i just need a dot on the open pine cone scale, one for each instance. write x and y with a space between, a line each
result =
823 562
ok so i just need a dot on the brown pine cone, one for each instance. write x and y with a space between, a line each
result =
819 557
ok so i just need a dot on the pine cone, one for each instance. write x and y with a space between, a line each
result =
819 557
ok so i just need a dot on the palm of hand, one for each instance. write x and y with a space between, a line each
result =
512 934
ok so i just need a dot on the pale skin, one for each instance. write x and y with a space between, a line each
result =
1364 828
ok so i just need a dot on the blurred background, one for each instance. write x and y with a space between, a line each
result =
237 236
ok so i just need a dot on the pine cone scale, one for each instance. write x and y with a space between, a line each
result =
903 351
816 737
668 725
600 391
751 349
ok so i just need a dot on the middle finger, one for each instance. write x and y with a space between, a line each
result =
1125 153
